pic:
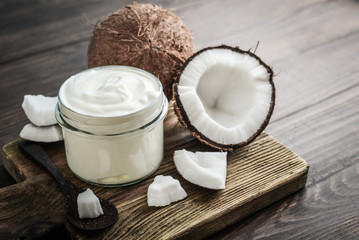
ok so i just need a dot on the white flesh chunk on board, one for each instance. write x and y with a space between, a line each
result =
164 190
206 169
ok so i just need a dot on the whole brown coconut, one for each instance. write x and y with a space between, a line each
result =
144 36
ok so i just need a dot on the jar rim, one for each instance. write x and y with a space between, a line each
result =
119 67
63 123
119 123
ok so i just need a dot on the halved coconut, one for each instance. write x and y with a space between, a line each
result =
224 96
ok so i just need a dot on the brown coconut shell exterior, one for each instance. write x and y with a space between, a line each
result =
145 36
183 117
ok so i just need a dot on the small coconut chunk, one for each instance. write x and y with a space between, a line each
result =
51 133
40 110
206 169
88 205
164 190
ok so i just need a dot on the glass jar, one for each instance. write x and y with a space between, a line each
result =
113 150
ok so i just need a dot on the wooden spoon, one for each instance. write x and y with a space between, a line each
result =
70 192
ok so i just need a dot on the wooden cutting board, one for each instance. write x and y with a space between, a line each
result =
257 176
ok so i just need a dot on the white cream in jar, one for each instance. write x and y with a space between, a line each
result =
112 121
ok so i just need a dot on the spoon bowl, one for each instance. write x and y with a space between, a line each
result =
36 152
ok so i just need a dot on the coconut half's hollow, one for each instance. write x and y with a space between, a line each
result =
224 96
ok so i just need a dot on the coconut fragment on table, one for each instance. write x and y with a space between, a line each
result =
40 110
51 133
164 190
205 169
88 205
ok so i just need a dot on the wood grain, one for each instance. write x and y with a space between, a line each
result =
48 75
326 135
23 214
257 175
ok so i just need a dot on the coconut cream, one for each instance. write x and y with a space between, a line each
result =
112 121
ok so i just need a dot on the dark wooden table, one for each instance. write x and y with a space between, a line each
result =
313 46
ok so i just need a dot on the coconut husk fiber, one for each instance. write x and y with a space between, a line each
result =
145 36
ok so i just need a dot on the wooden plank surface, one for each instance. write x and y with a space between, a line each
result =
312 46
257 175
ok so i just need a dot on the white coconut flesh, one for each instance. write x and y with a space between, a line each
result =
164 190
205 169
226 95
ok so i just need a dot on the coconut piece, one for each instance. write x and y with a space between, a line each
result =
51 133
205 169
40 110
88 205
145 36
224 96
164 190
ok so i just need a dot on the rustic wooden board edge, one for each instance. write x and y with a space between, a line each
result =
10 165
204 225
287 186
21 167
206 229
23 209
239 210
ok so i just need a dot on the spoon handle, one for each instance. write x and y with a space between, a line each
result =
70 191
38 154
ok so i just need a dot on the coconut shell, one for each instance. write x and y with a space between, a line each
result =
145 36
184 119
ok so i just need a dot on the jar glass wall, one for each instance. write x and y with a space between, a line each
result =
115 150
